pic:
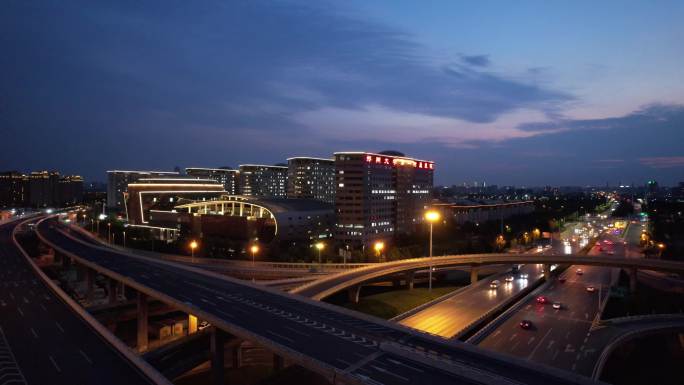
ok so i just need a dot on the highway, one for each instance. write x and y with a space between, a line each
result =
560 338
42 341
322 337
450 316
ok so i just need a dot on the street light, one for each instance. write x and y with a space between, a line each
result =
320 246
109 232
378 246
193 246
124 239
431 216
254 249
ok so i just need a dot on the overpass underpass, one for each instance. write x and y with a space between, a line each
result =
349 347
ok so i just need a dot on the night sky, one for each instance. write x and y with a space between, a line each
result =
508 92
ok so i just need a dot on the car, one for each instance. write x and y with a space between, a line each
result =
591 289
562 279
494 284
540 248
203 325
579 271
524 276
526 324
610 252
509 278
557 305
541 299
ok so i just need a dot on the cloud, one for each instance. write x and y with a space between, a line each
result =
476 60
663 161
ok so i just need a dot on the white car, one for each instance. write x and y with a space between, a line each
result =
494 284
509 278
524 276
557 305
591 289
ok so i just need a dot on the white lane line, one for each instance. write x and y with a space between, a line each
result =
224 313
59 327
513 336
43 307
550 344
20 312
35 335
541 341
54 363
279 336
85 356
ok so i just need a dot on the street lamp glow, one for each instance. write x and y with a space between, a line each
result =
193 246
432 216
379 246
254 249
319 246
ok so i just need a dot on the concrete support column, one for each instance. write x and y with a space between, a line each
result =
474 274
353 293
192 324
90 283
111 291
218 339
236 351
143 313
278 362
632 280
547 270
410 279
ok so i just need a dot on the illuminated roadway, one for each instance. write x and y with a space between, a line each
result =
334 342
560 338
42 341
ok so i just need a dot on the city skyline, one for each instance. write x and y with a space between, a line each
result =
596 98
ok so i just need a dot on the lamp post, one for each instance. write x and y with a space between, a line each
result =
124 239
320 246
254 249
193 246
431 216
378 247
109 232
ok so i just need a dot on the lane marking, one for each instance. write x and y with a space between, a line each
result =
85 356
54 363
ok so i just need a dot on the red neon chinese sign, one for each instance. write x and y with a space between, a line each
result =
391 161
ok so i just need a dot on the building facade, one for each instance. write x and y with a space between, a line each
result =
118 181
379 196
311 178
263 180
229 178
13 189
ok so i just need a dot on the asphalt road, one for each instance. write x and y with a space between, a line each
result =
47 343
317 331
559 338
450 316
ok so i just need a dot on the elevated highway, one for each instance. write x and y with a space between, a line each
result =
344 346
352 280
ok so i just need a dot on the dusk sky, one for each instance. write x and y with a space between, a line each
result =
507 92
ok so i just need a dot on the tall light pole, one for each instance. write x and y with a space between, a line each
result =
124 239
254 249
320 246
431 216
109 232
193 246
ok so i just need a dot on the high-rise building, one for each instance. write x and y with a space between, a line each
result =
229 178
43 188
117 184
69 190
379 196
263 180
311 178
13 189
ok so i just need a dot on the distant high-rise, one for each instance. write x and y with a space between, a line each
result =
263 180
13 189
379 195
311 178
117 184
69 190
43 188
229 178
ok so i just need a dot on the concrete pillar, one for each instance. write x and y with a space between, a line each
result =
474 271
236 351
218 339
192 324
410 279
90 283
632 279
111 290
143 312
547 270
278 362
353 293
